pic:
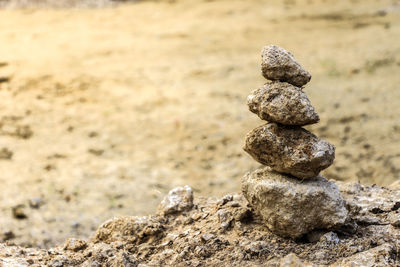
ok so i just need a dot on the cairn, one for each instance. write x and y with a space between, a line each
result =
289 194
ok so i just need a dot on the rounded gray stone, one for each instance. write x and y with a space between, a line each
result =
289 149
282 103
279 64
291 207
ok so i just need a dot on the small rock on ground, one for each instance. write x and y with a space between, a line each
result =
177 200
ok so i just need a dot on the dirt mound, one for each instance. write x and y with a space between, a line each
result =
226 231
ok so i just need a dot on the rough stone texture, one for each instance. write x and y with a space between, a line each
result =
292 208
279 64
282 103
394 219
134 229
177 200
289 149
75 244
195 238
13 262
322 236
291 260
374 200
379 256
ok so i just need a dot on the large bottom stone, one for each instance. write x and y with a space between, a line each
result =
291 207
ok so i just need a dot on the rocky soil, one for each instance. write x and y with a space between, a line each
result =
225 231
103 111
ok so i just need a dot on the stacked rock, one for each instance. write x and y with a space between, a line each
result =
289 194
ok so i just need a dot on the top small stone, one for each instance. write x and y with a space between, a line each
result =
279 64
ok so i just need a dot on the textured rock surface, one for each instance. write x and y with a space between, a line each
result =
282 103
279 64
177 200
291 207
394 219
195 238
379 256
133 229
292 150
290 260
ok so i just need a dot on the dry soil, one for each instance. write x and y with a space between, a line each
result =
104 110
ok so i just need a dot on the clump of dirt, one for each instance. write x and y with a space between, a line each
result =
215 231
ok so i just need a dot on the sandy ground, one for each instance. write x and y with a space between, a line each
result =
104 110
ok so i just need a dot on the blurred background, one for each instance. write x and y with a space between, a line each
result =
105 106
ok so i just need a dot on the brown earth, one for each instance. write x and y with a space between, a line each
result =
104 110
225 232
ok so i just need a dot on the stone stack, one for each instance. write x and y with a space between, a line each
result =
289 194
